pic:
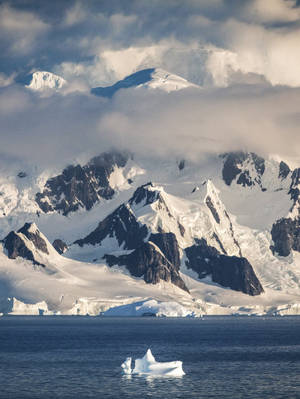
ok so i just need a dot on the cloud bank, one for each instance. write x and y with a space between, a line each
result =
245 55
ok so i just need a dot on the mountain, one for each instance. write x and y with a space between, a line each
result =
158 232
81 186
153 78
216 236
125 229
28 243
42 80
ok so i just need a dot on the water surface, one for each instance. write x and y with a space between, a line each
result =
80 357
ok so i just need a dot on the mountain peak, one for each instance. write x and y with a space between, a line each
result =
42 80
154 78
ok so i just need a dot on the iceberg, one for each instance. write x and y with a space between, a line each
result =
149 366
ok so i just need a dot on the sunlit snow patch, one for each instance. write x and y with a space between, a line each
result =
149 366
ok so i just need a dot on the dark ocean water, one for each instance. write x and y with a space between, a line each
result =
223 357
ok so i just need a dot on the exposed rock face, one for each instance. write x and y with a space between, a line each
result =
145 195
80 186
286 236
123 225
142 194
32 233
156 255
155 260
213 210
239 166
168 245
284 170
23 242
149 262
295 185
15 247
228 271
286 231
60 246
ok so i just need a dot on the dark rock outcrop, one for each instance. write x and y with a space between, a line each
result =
213 210
145 195
286 231
286 236
168 245
149 262
123 225
80 186
60 246
232 169
284 170
228 271
155 260
295 186
16 246
32 233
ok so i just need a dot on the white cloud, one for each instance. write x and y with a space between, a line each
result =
6 80
74 15
219 44
120 22
126 61
188 124
20 28
272 11
274 53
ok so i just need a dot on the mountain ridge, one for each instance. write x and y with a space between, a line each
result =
219 235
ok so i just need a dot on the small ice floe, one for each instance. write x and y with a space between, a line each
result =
149 366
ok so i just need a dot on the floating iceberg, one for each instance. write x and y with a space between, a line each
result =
149 366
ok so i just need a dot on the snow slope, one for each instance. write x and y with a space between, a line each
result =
191 194
153 78
42 80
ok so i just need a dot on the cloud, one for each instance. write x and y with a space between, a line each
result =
20 29
6 80
245 55
190 123
206 42
272 11
74 15
272 53
58 130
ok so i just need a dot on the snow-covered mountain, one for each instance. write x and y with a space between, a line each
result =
43 80
216 236
153 78
168 230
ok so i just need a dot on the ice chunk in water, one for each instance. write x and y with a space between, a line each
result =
126 366
149 366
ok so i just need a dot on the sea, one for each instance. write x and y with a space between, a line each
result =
80 357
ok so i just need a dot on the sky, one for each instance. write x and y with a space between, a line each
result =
245 55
